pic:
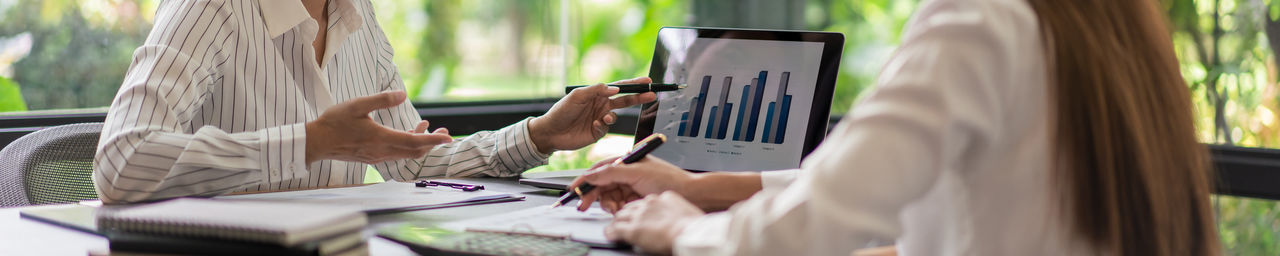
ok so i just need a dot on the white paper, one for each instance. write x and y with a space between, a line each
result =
585 227
381 196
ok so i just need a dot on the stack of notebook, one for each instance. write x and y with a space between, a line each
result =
224 227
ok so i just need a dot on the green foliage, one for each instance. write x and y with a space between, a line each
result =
78 59
872 30
439 50
371 175
611 29
1223 49
1226 55
568 160
1248 226
608 41
10 96
609 146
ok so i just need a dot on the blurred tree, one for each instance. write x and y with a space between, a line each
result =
1203 41
438 49
1232 73
872 28
621 35
762 14
75 62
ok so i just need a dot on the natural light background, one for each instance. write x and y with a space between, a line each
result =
70 55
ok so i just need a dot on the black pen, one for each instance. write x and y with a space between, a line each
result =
641 150
634 88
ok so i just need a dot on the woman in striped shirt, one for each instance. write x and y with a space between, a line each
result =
263 95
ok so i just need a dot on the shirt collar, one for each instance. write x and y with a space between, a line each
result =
282 15
286 14
347 14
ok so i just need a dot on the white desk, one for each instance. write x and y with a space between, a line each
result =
20 236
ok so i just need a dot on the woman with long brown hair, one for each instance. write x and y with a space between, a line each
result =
1000 127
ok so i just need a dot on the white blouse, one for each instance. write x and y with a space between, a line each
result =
950 155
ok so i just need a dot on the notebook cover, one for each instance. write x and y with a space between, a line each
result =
150 244
265 222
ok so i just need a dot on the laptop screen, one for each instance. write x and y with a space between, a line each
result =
755 99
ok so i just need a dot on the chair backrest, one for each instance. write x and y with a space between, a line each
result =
52 165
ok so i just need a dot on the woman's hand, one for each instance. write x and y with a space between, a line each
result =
583 116
618 184
345 132
653 223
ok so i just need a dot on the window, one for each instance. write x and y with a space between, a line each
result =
67 54
451 50
1226 51
456 50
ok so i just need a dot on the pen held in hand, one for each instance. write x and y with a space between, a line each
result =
635 88
642 149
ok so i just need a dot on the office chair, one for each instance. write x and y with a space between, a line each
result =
52 165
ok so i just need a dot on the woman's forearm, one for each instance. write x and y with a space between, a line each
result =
718 191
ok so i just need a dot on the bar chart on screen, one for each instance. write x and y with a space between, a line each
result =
746 106
750 104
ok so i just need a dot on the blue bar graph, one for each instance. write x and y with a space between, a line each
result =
742 113
768 124
776 121
711 124
693 127
748 111
724 121
684 121
782 123
698 103
758 97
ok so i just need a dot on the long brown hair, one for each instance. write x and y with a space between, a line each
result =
1134 179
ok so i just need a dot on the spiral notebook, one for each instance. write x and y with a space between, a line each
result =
285 224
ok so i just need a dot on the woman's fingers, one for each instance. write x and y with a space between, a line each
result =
632 100
606 161
610 118
361 106
418 140
422 127
638 80
588 94
628 211
609 196
599 129
611 232
615 201
585 202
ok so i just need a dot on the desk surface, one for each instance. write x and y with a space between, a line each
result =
20 236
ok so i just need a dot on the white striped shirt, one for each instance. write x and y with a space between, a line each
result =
217 98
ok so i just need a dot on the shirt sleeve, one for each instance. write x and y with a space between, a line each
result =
938 97
772 181
503 153
144 152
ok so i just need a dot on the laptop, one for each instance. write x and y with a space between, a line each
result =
756 100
